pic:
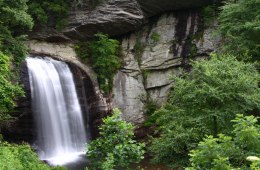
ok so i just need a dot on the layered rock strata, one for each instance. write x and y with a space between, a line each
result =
155 53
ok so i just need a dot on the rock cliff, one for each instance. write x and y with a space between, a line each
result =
158 39
155 53
114 17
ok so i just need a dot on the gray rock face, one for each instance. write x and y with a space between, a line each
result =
160 48
113 17
128 93
154 54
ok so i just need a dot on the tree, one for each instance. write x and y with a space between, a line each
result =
115 147
224 152
239 24
50 12
203 102
14 20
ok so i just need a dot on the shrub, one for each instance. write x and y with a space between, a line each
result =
203 102
102 54
225 152
8 90
115 147
21 157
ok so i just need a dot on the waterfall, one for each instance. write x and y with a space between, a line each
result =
61 133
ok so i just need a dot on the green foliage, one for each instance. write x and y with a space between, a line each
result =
139 50
150 108
21 157
225 152
213 152
44 11
255 165
209 14
102 54
8 90
13 13
14 20
239 25
247 135
115 147
155 37
203 102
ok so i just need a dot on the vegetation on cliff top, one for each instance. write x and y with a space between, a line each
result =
50 12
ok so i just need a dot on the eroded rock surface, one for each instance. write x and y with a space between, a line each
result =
155 53
113 17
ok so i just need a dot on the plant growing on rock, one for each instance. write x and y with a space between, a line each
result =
203 102
115 147
103 55
155 37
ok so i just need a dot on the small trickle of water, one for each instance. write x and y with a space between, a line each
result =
61 133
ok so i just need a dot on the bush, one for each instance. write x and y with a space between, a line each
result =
102 54
8 90
225 152
21 157
203 102
115 147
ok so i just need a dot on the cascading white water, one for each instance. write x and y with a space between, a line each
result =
61 133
